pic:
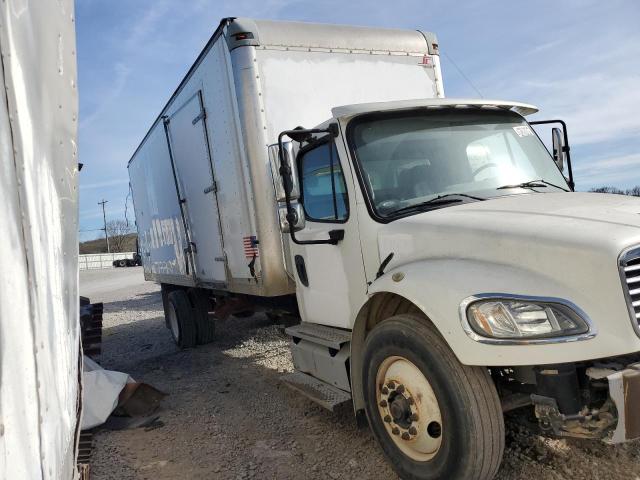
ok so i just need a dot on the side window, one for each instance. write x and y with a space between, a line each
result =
324 192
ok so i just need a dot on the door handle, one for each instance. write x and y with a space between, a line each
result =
211 188
301 269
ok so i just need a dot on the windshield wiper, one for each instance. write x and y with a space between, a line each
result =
439 200
532 184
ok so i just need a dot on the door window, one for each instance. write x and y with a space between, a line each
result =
324 192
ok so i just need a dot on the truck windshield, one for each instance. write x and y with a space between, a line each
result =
409 158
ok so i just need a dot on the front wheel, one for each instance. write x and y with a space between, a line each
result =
433 417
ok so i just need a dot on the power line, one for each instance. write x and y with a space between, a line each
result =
126 205
462 73
104 217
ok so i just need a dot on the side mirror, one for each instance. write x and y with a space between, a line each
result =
557 139
290 182
298 213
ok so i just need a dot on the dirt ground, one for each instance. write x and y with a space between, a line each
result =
227 416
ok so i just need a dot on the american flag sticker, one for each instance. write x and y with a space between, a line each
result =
250 246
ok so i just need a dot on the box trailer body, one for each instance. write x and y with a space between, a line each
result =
203 191
442 267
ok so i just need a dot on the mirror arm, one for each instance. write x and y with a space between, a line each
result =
334 236
566 148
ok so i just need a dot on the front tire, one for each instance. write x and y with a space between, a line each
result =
433 417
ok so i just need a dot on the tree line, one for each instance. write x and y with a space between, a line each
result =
635 191
122 238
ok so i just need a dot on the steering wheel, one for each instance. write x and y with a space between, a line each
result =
475 173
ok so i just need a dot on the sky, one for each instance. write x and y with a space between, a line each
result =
576 60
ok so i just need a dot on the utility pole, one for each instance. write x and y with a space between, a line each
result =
104 217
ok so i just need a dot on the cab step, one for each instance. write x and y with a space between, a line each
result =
320 334
320 392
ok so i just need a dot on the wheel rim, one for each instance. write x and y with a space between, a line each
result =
409 408
173 323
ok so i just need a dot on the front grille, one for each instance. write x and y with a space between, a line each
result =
630 272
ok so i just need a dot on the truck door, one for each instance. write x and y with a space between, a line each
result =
193 169
330 281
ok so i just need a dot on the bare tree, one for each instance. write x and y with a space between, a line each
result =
119 232
635 191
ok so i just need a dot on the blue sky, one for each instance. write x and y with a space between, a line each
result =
576 60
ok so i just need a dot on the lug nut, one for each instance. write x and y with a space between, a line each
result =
413 431
385 390
387 419
391 385
400 388
406 436
383 403
414 417
395 430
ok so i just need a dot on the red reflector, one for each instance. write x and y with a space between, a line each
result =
243 36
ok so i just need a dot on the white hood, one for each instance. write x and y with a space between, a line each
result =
510 228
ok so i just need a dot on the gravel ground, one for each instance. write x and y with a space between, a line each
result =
228 417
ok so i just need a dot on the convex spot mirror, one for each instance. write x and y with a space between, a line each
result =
557 139
290 182
298 217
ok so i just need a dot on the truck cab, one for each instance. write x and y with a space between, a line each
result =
445 237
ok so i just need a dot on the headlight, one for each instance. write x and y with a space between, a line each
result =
523 319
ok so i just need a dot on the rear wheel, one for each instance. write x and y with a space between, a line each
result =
180 317
122 263
203 310
433 416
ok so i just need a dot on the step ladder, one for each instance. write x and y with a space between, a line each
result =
320 356
320 392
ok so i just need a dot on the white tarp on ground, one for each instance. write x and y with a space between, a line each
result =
39 328
101 390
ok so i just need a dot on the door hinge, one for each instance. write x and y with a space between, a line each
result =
201 116
191 248
211 188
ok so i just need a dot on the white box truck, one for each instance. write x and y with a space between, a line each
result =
442 267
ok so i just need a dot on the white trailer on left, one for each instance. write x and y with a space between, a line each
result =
39 328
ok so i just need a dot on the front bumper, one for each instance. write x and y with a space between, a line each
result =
613 416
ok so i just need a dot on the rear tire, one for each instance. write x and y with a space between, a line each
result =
180 316
438 418
122 263
203 311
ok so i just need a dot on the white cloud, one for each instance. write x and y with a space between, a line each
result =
107 183
147 24
597 107
618 171
544 47
121 73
